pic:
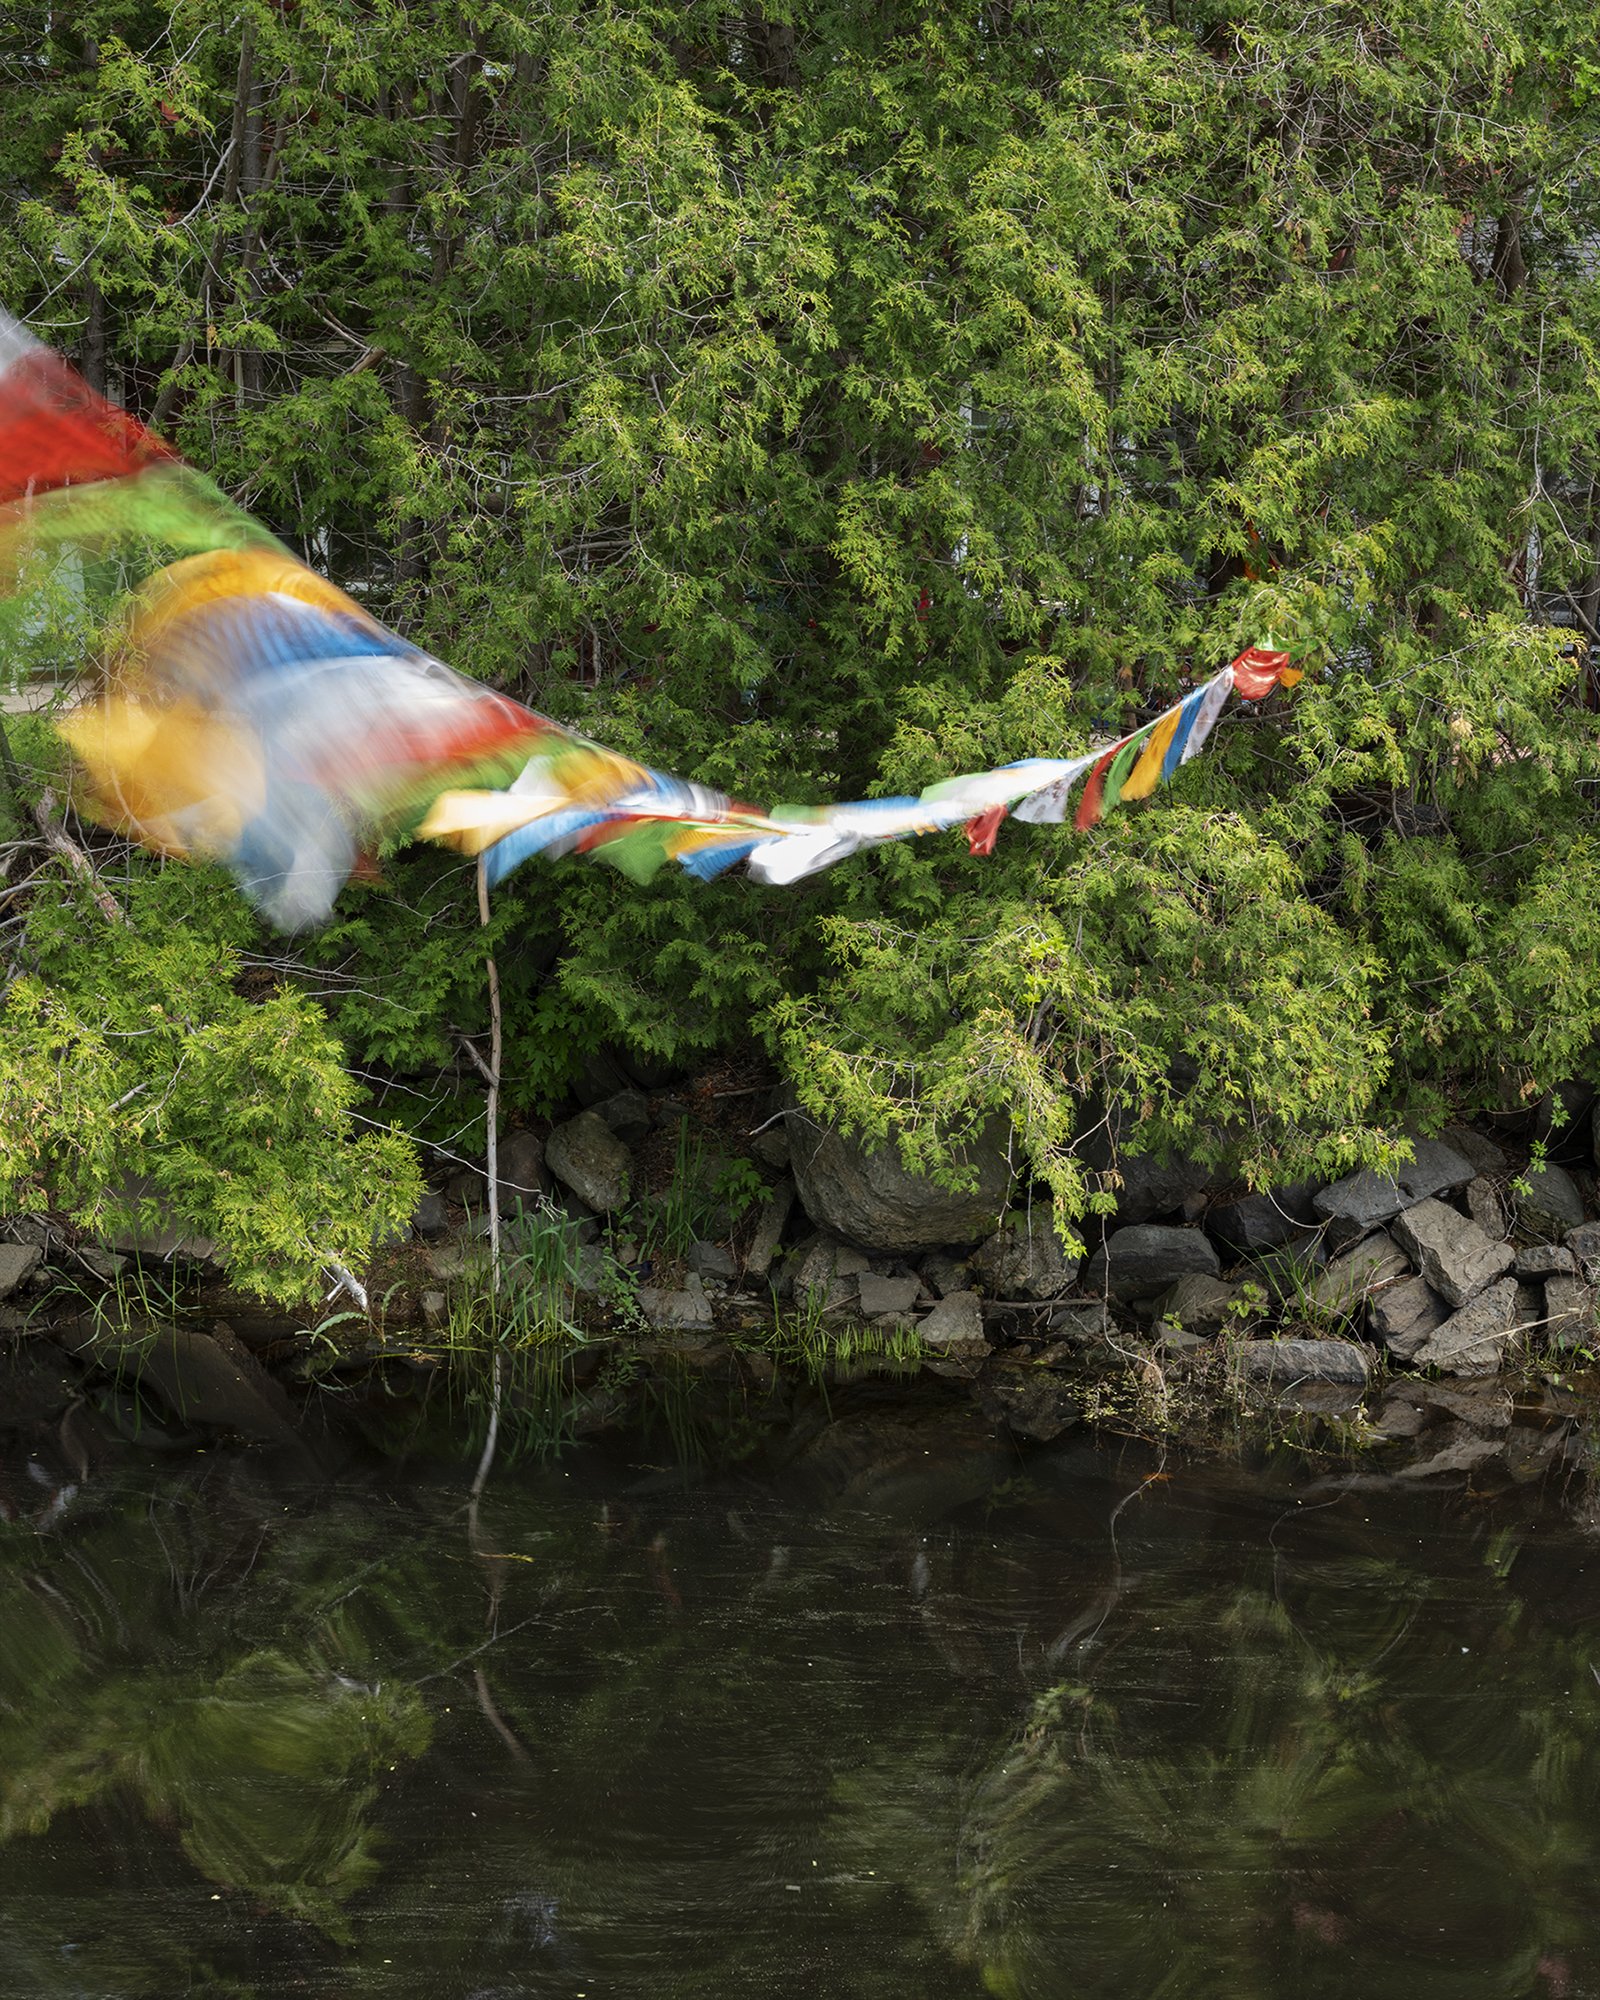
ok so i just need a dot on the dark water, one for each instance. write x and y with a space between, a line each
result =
914 1718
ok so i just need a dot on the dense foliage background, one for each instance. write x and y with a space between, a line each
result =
821 400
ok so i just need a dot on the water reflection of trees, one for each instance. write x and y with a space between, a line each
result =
987 1752
1356 1780
172 1657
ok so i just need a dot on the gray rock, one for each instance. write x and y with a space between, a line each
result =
1452 1252
1343 1287
1544 1260
1082 1324
587 1156
1529 1308
431 1218
1024 1259
896 1322
825 1264
711 1261
520 1166
686 1311
769 1229
1568 1312
1477 1148
1363 1201
886 1295
156 1234
1197 1303
1404 1315
865 1195
627 1114
1143 1261
1486 1208
435 1309
447 1261
953 1329
1154 1187
1282 1363
771 1146
36 1230
1584 1243
851 1261
1472 1341
105 1265
1258 1222
1552 1204
819 1263
944 1274
18 1262
1030 1402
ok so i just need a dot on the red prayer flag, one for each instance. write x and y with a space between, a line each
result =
55 431
1257 672
983 828
1089 804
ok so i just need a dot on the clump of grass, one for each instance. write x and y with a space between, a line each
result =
695 1205
809 1340
677 1219
509 1347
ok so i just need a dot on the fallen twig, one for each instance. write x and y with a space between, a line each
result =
60 842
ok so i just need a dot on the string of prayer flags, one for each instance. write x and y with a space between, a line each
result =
252 712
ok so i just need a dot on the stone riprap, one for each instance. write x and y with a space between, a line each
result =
1569 1311
1343 1287
866 1194
585 1155
953 1330
1256 1222
1403 1315
879 1295
1364 1201
1198 1303
768 1232
1472 1341
1551 1204
1544 1260
1024 1259
18 1262
521 1170
1451 1251
1283 1363
1142 1261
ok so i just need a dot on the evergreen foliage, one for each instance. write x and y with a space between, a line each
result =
820 402
148 1080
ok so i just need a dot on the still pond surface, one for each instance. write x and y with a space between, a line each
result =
913 1718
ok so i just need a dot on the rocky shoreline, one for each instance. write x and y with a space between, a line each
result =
1443 1319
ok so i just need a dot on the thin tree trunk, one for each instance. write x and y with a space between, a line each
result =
492 1177
92 354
